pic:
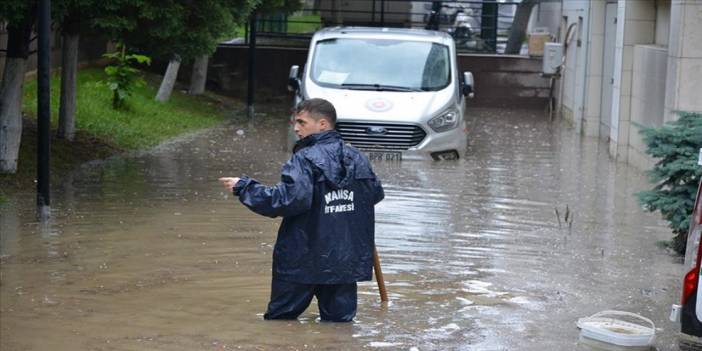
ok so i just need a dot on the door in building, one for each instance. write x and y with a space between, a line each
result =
608 70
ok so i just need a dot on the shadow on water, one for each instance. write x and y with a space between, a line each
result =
149 252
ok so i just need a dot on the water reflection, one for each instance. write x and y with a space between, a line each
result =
147 252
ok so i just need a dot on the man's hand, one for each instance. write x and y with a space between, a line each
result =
229 182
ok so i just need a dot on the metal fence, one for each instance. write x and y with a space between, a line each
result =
476 26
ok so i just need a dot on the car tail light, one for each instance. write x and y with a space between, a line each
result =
693 253
689 285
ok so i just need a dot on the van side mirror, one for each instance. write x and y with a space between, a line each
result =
468 83
293 79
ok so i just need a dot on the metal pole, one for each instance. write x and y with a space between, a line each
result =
252 66
246 34
488 24
44 108
382 13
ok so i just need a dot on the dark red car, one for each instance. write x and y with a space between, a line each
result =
689 312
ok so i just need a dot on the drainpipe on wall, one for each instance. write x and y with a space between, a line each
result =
567 38
615 126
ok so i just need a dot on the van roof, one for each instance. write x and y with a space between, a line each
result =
385 33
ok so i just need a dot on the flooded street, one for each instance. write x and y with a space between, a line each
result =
149 252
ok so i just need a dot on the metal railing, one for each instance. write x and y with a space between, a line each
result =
476 26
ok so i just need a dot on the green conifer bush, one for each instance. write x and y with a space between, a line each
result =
676 173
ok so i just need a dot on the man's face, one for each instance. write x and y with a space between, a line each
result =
306 125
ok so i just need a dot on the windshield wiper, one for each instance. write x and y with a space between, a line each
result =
377 87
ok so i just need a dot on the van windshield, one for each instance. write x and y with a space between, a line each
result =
381 64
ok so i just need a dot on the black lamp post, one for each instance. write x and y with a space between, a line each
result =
44 108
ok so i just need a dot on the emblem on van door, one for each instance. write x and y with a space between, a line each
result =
376 130
378 105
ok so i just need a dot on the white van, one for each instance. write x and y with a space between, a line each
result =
397 92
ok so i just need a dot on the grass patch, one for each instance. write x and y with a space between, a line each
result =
143 123
102 131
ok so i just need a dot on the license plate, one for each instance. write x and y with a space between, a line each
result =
384 156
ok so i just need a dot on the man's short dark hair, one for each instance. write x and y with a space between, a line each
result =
317 109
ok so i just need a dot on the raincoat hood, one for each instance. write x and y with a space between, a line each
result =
333 158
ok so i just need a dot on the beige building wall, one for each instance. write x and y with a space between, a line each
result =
658 71
593 75
637 25
583 74
657 64
576 16
648 84
647 98
684 71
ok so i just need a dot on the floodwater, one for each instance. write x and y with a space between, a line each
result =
150 253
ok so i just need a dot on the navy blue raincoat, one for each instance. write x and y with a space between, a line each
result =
326 198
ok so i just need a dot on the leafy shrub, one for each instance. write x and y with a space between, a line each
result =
122 78
676 175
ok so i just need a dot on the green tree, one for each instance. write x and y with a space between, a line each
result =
239 13
20 16
179 30
202 25
676 175
144 26
71 17
196 29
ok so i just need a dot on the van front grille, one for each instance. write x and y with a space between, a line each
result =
381 136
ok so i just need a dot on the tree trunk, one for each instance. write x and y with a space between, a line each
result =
69 70
11 96
169 80
199 76
518 31
11 113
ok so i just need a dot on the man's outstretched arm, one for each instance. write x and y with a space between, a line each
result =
291 196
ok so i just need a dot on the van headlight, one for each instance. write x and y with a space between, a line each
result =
445 121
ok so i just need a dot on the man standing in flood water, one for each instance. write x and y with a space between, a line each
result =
326 197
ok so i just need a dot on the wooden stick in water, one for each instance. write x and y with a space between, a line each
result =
379 276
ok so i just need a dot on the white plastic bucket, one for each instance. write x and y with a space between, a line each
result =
605 327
